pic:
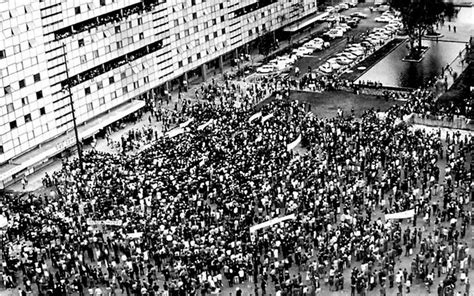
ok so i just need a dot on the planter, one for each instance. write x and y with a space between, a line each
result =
415 60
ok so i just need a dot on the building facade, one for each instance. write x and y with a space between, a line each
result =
106 54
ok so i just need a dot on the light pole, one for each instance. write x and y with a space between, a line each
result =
71 103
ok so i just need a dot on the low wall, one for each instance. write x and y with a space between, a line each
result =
455 122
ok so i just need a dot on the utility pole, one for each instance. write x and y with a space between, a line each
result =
71 103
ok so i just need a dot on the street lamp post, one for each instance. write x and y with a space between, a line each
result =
71 103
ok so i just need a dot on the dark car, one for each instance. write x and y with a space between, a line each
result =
352 24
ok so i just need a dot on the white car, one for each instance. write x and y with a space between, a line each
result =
314 45
390 28
383 19
333 33
344 6
349 55
395 23
330 9
343 29
381 36
345 26
301 51
285 60
359 15
266 69
344 61
334 64
357 52
326 68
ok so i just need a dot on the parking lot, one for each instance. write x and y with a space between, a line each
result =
313 60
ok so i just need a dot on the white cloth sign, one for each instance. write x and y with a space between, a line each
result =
293 144
175 132
185 124
255 116
401 215
272 222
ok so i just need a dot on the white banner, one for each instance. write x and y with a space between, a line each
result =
135 235
267 117
203 126
401 215
255 116
104 222
272 222
175 132
185 124
293 144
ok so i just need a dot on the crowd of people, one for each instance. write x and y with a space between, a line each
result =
176 218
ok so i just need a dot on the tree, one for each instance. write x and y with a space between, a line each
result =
418 16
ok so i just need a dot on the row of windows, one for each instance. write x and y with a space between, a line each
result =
27 117
197 42
123 75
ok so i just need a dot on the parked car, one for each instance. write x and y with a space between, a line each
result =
333 33
326 68
331 18
359 15
269 68
301 51
334 64
344 26
314 45
344 60
344 6
357 52
330 9
349 55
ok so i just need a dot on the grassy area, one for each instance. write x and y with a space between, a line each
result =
371 60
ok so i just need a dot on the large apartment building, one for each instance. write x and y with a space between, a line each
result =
108 56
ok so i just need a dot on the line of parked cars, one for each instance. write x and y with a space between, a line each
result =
355 52
284 63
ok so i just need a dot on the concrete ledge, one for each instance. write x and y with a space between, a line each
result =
454 122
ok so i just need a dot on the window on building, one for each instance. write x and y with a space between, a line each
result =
25 101
221 5
141 36
186 32
83 59
214 22
90 107
123 75
215 34
22 83
129 40
28 117
146 79
140 21
101 101
1 149
102 2
223 31
197 42
17 48
10 108
206 38
20 66
77 10
117 29
124 89
206 25
111 80
37 77
222 18
196 29
119 44
177 36
180 64
195 16
198 55
113 95
95 53
100 85
3 54
193 2
42 111
7 89
39 94
190 60
81 42
250 32
136 84
87 91
13 124
176 22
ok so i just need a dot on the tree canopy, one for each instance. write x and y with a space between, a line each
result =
418 16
